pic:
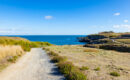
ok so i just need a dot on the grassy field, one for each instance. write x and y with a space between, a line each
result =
97 64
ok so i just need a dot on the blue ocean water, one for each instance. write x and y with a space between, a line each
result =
54 39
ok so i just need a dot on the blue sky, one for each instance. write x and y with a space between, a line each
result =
63 17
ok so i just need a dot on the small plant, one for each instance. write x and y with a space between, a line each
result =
91 50
56 59
114 74
70 71
12 59
52 54
84 68
97 69
76 75
66 67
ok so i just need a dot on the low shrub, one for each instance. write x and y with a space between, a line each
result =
12 59
116 74
52 54
66 67
76 75
70 71
56 59
84 68
97 69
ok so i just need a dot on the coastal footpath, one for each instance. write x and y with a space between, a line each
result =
34 65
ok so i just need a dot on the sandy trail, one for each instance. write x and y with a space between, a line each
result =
34 65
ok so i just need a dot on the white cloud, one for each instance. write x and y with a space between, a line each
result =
126 26
126 21
48 17
7 31
116 14
116 26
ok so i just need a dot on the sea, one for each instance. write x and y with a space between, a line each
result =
54 39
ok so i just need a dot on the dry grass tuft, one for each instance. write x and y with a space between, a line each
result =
9 54
9 51
91 50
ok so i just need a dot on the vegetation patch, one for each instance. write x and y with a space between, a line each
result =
84 68
117 47
91 50
97 69
12 59
24 43
13 47
52 54
56 59
116 74
3 66
70 71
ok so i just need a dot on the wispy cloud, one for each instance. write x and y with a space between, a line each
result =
116 14
126 26
48 17
7 30
126 21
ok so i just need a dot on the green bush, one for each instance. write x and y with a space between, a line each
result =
76 75
52 54
70 71
66 67
56 59
97 69
114 74
84 68
12 59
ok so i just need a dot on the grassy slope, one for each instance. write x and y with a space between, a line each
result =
13 47
99 63
9 54
24 43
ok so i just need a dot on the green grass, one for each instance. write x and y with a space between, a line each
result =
56 59
12 59
70 71
84 68
52 54
116 74
97 69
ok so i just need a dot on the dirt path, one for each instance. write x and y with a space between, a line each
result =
34 65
